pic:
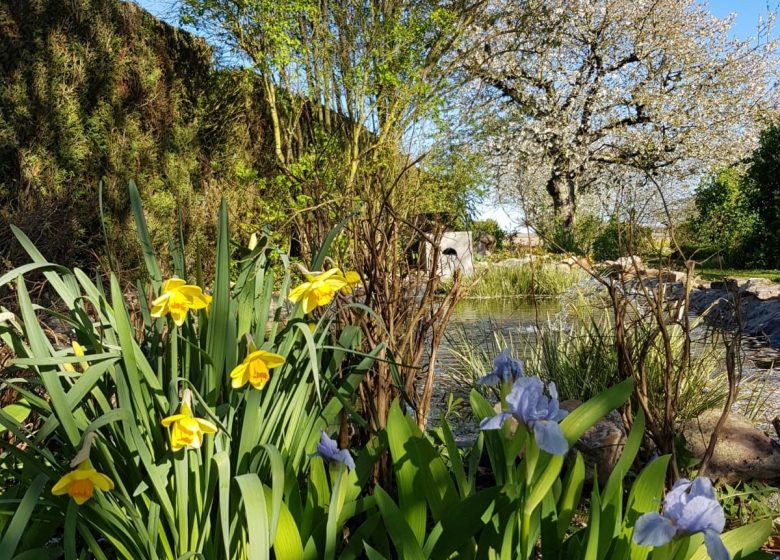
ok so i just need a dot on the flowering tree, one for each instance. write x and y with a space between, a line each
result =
582 91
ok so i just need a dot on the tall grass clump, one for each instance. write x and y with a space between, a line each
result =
524 280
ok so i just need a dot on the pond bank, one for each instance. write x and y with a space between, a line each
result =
757 312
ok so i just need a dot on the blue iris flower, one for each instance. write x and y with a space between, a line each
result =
536 411
689 507
506 369
329 450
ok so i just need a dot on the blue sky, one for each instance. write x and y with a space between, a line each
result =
747 13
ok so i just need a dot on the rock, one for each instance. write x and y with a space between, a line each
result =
631 264
563 267
601 445
673 276
761 288
584 264
759 307
743 452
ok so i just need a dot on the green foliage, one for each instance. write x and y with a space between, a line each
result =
100 91
764 174
536 279
488 227
581 241
749 502
725 218
237 493
250 491
622 239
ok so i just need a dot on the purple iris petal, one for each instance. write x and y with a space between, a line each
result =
328 449
505 370
701 514
689 507
549 437
540 413
702 487
494 422
653 529
715 547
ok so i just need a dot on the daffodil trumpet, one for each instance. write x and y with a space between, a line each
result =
177 299
255 369
81 482
187 431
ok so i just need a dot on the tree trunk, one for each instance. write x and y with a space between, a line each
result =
563 191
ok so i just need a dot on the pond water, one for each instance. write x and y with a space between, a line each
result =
476 322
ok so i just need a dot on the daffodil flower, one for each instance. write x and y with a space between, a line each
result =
255 369
352 279
80 483
177 298
186 430
319 290
78 350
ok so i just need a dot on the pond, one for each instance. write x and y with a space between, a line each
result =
476 322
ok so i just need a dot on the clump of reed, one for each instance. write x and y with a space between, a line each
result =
529 280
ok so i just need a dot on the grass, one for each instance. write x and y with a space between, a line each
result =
719 273
526 280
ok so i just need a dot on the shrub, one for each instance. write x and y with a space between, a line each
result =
586 230
489 227
764 198
622 239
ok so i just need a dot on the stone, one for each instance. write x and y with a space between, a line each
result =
486 244
759 307
631 264
743 452
602 445
672 276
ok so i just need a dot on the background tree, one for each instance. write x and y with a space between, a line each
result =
726 217
579 91
356 95
764 174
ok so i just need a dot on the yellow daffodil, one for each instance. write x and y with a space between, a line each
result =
80 483
177 298
255 369
319 290
352 279
186 430
78 350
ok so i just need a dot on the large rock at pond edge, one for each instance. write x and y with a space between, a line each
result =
601 445
743 452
